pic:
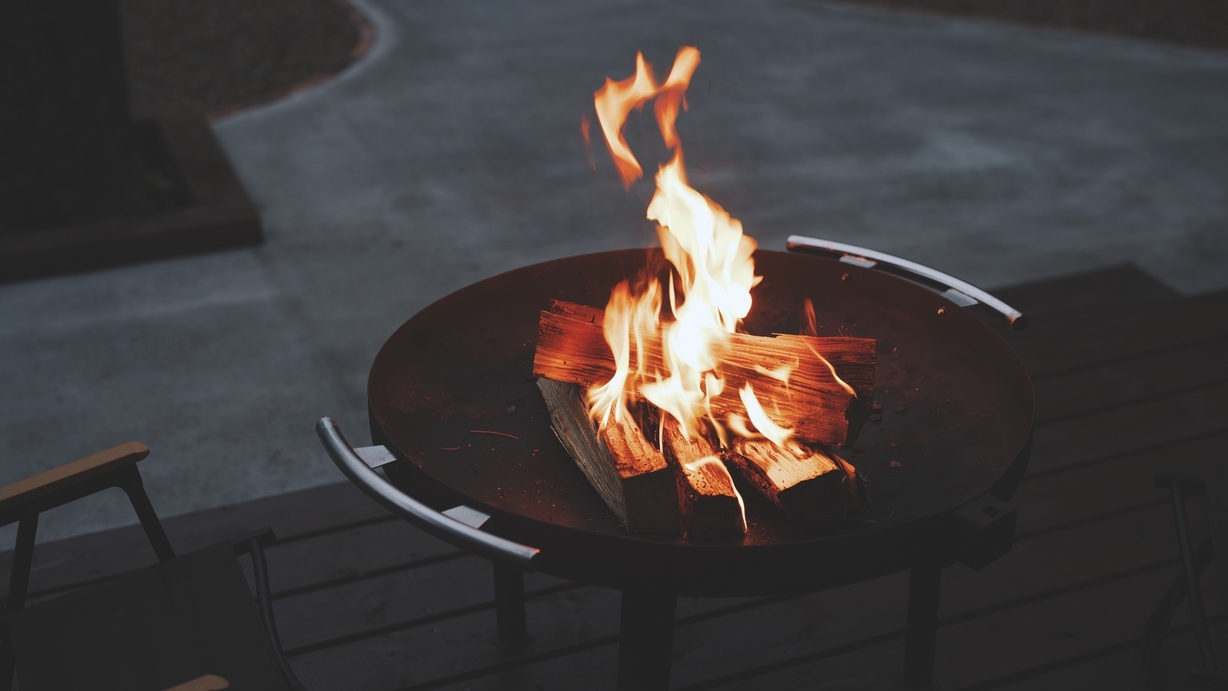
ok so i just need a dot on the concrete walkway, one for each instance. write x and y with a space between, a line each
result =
452 152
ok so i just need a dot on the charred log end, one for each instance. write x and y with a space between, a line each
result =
652 502
831 498
808 483
715 517
821 500
857 413
709 505
856 495
710 509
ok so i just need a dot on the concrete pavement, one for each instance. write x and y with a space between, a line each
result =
996 152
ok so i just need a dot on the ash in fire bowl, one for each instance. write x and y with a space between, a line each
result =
697 390
660 397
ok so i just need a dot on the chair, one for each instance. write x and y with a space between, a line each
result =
186 622
1214 488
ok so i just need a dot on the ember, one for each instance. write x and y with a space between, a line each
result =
682 392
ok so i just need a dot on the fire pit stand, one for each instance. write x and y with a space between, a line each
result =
465 444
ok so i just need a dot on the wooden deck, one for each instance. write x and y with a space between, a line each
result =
1128 376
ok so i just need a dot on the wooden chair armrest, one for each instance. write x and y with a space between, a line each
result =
209 682
31 488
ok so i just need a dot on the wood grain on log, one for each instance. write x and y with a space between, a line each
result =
571 348
709 504
809 484
629 473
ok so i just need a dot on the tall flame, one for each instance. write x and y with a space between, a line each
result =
711 258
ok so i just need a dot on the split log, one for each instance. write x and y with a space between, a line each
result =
629 473
710 506
571 348
806 483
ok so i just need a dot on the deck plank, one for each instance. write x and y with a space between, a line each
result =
1152 423
774 630
294 516
1054 349
345 555
383 604
1112 668
1052 501
866 615
981 650
1091 293
1121 384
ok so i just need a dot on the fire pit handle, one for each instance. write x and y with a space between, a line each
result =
432 521
960 292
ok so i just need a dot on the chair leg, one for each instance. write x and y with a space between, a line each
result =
264 601
19 583
1156 630
509 607
1192 590
646 640
921 634
149 518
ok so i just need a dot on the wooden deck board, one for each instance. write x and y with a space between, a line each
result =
1057 348
1108 433
1100 487
385 604
1082 295
1122 384
777 630
294 516
1114 667
1128 375
781 632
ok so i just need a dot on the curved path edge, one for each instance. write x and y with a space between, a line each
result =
375 41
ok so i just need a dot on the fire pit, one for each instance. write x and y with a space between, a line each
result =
464 434
452 397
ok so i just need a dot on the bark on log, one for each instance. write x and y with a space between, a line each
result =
571 348
811 484
629 473
709 505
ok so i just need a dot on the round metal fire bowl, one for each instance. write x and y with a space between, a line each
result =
452 394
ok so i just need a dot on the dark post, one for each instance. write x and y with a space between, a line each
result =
646 640
509 606
924 586
19 582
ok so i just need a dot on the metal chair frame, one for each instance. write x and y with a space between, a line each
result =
1214 489
128 478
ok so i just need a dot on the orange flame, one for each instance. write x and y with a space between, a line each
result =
673 93
614 102
627 318
712 259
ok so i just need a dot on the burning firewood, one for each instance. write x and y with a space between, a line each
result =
694 377
821 403
710 506
803 482
630 474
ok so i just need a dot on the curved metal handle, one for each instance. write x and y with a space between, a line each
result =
957 291
414 511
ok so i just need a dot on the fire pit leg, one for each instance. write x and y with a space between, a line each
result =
646 640
924 583
509 607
